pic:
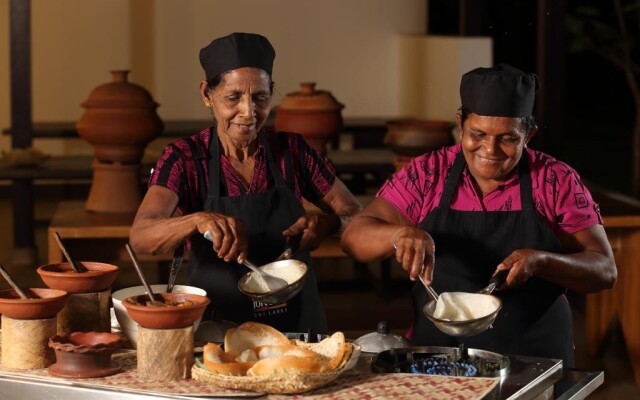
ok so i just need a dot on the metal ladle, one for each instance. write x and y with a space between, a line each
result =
150 293
13 284
273 283
74 265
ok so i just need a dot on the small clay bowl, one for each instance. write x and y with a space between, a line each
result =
43 303
61 276
170 317
84 354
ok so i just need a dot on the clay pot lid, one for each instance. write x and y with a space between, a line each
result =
86 342
308 98
120 93
98 277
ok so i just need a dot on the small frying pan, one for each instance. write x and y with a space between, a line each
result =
469 327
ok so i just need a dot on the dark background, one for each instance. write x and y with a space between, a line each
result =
594 133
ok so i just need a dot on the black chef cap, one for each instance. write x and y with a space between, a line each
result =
237 50
500 91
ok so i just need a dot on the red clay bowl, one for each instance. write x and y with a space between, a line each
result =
61 276
44 303
171 317
84 354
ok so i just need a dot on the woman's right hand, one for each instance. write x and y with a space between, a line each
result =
415 251
229 239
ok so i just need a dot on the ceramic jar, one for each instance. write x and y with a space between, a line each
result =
119 121
409 138
315 114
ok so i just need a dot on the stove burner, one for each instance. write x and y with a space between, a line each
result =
448 361
436 367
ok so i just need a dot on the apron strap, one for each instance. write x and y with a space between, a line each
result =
273 167
526 196
215 176
452 181
200 154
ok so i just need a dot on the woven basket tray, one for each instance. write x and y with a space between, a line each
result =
287 383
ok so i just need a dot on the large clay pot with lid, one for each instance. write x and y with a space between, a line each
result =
315 114
119 121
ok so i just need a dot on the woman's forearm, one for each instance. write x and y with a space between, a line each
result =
584 272
159 235
368 238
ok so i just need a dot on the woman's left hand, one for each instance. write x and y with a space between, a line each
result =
314 228
522 265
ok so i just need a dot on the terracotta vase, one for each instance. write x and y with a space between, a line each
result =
119 121
315 114
409 138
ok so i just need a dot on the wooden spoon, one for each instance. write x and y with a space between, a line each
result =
152 297
13 284
75 266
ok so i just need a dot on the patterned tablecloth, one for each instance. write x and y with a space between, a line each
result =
350 385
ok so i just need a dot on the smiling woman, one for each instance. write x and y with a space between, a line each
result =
245 184
491 204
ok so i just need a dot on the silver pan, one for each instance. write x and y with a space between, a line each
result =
469 327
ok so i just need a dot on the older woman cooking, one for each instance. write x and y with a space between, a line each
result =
244 184
491 204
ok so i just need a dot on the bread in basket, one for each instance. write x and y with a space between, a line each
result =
258 358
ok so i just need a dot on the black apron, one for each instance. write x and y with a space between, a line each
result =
265 216
535 319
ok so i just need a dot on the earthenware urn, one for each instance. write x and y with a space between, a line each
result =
409 138
119 121
315 114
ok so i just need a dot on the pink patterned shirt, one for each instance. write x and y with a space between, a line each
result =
559 196
176 170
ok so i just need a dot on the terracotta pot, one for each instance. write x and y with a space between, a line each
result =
409 138
119 121
171 317
315 114
61 276
84 354
43 303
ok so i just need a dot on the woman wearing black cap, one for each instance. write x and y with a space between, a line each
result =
490 204
245 185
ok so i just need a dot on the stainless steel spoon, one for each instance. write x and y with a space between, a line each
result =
272 282
13 283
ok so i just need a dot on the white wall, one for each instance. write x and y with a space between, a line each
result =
350 47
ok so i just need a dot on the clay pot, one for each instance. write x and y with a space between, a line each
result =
43 303
315 114
171 317
409 138
84 354
61 276
119 121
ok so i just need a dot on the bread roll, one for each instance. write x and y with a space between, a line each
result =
335 348
252 334
284 365
268 351
219 361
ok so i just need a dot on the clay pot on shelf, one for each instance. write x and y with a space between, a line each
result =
119 121
315 114
84 354
409 138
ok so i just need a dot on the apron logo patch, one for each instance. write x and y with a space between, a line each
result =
261 310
